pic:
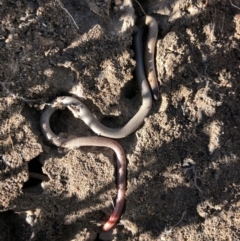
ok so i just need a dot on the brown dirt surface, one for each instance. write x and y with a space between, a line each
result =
182 163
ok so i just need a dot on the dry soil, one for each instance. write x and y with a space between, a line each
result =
183 162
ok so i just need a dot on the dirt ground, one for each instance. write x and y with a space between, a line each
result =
183 162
